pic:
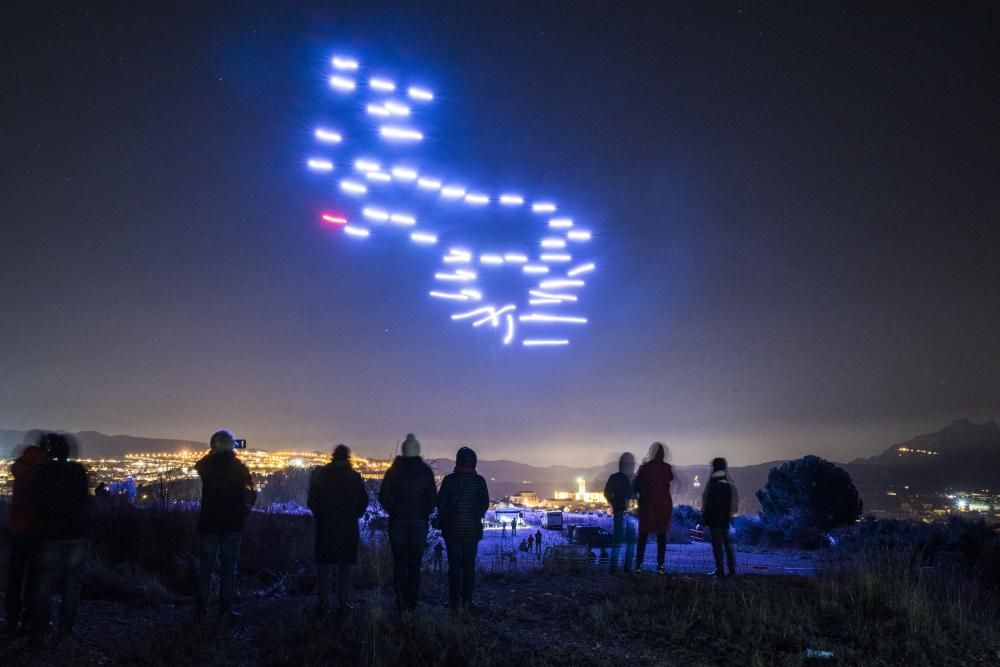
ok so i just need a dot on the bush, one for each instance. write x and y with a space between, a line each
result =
807 497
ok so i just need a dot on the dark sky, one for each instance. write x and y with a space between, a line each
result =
796 213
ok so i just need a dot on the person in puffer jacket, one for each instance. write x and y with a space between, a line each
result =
719 502
462 503
408 495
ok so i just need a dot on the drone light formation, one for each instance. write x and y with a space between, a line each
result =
394 111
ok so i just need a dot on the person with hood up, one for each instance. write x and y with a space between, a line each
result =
338 499
652 485
23 531
618 493
719 501
408 495
227 496
462 503
61 499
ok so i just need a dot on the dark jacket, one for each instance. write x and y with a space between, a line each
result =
227 493
24 521
61 500
337 498
618 491
462 503
719 501
652 485
408 492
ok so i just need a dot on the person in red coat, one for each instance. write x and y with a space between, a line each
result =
652 486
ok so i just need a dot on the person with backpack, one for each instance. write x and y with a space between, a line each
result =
618 492
227 496
652 485
408 495
338 499
462 503
719 501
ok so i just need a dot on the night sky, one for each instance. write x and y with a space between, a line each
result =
796 213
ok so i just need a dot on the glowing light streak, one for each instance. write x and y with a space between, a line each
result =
538 342
346 64
578 235
583 268
375 214
534 269
556 319
429 183
327 136
401 133
494 317
402 219
473 294
364 164
491 260
515 258
356 231
553 243
342 83
551 295
511 200
560 282
404 173
456 259
378 176
544 302
555 257
421 94
423 238
452 191
319 164
453 278
560 223
378 110
543 207
477 198
454 296
509 336
473 313
467 254
397 109
384 85
466 272
353 187
334 219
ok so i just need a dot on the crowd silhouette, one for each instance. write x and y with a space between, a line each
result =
48 525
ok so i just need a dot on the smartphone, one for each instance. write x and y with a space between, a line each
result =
240 444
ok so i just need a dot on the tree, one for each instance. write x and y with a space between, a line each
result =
805 497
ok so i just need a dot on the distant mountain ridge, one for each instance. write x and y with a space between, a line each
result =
95 445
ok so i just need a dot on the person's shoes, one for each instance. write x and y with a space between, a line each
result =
638 569
660 569
716 574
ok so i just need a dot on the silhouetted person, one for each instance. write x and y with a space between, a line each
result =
513 527
719 501
408 495
60 496
24 534
438 557
462 502
538 542
338 499
227 496
523 546
531 541
652 485
618 492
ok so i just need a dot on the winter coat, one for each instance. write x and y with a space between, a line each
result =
24 521
408 492
337 498
462 503
719 500
618 491
652 485
227 493
61 499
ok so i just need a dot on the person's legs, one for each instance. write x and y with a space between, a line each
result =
640 549
46 567
717 539
468 570
416 543
397 545
727 542
344 585
661 550
323 583
630 527
229 555
618 530
454 548
22 550
209 547
74 552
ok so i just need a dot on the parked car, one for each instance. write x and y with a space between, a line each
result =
592 536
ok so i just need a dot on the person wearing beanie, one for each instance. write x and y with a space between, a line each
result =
719 501
338 499
227 495
618 492
462 503
407 495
